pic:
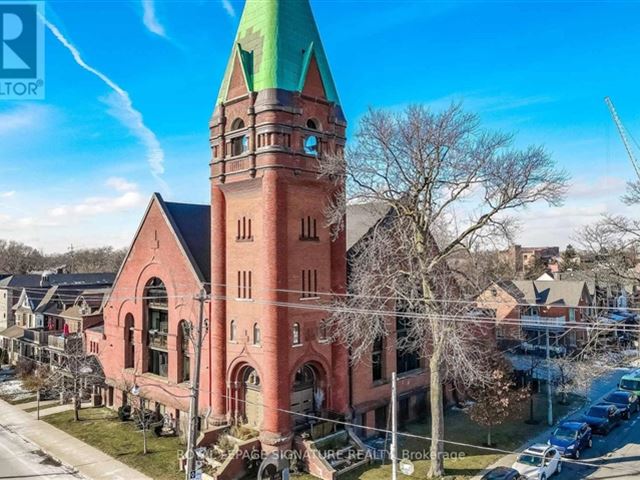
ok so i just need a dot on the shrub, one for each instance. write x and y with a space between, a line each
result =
124 413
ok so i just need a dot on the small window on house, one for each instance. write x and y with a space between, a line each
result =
377 359
323 331
233 331
244 284
309 284
311 145
237 124
244 229
308 228
312 124
184 333
296 334
239 145
257 339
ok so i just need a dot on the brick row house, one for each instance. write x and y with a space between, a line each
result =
44 310
523 309
263 252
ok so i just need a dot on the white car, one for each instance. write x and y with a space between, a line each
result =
538 462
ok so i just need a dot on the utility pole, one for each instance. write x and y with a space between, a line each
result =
394 428
197 338
549 392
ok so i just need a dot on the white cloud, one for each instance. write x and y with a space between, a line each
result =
92 206
228 7
121 108
24 116
150 18
7 194
128 198
120 184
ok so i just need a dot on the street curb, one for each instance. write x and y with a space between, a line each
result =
71 469
545 432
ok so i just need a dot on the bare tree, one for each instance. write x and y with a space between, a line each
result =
76 374
436 172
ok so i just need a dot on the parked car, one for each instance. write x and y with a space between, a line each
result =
602 418
627 402
570 438
503 473
631 382
538 462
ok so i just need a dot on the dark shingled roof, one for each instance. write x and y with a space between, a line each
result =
192 224
361 218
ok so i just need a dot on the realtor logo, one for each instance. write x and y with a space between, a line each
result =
21 50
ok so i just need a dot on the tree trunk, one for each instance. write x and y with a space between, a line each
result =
437 418
489 436
76 408
144 438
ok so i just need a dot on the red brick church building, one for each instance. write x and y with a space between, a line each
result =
263 252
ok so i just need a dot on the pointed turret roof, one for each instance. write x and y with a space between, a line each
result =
277 41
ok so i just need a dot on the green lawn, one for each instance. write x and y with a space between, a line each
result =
459 428
100 428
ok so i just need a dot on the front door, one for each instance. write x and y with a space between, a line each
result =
253 407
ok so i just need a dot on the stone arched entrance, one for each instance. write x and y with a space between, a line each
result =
246 401
308 392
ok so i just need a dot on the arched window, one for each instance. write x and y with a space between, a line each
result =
312 124
233 331
157 313
240 143
311 145
256 334
129 348
237 124
296 334
184 360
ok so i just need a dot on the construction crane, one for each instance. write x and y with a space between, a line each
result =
623 135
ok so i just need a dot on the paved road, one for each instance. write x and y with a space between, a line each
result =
614 457
24 460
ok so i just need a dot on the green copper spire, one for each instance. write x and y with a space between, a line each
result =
275 43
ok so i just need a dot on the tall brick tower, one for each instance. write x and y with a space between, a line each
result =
277 116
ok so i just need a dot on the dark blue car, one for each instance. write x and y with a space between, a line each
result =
627 402
570 438
602 418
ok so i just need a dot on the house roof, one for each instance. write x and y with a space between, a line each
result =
544 292
58 279
13 331
192 225
274 45
21 281
361 218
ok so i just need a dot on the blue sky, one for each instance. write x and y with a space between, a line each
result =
79 167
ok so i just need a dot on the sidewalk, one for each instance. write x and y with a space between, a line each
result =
600 388
89 461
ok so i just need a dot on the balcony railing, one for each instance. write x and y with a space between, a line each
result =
56 342
536 322
38 336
